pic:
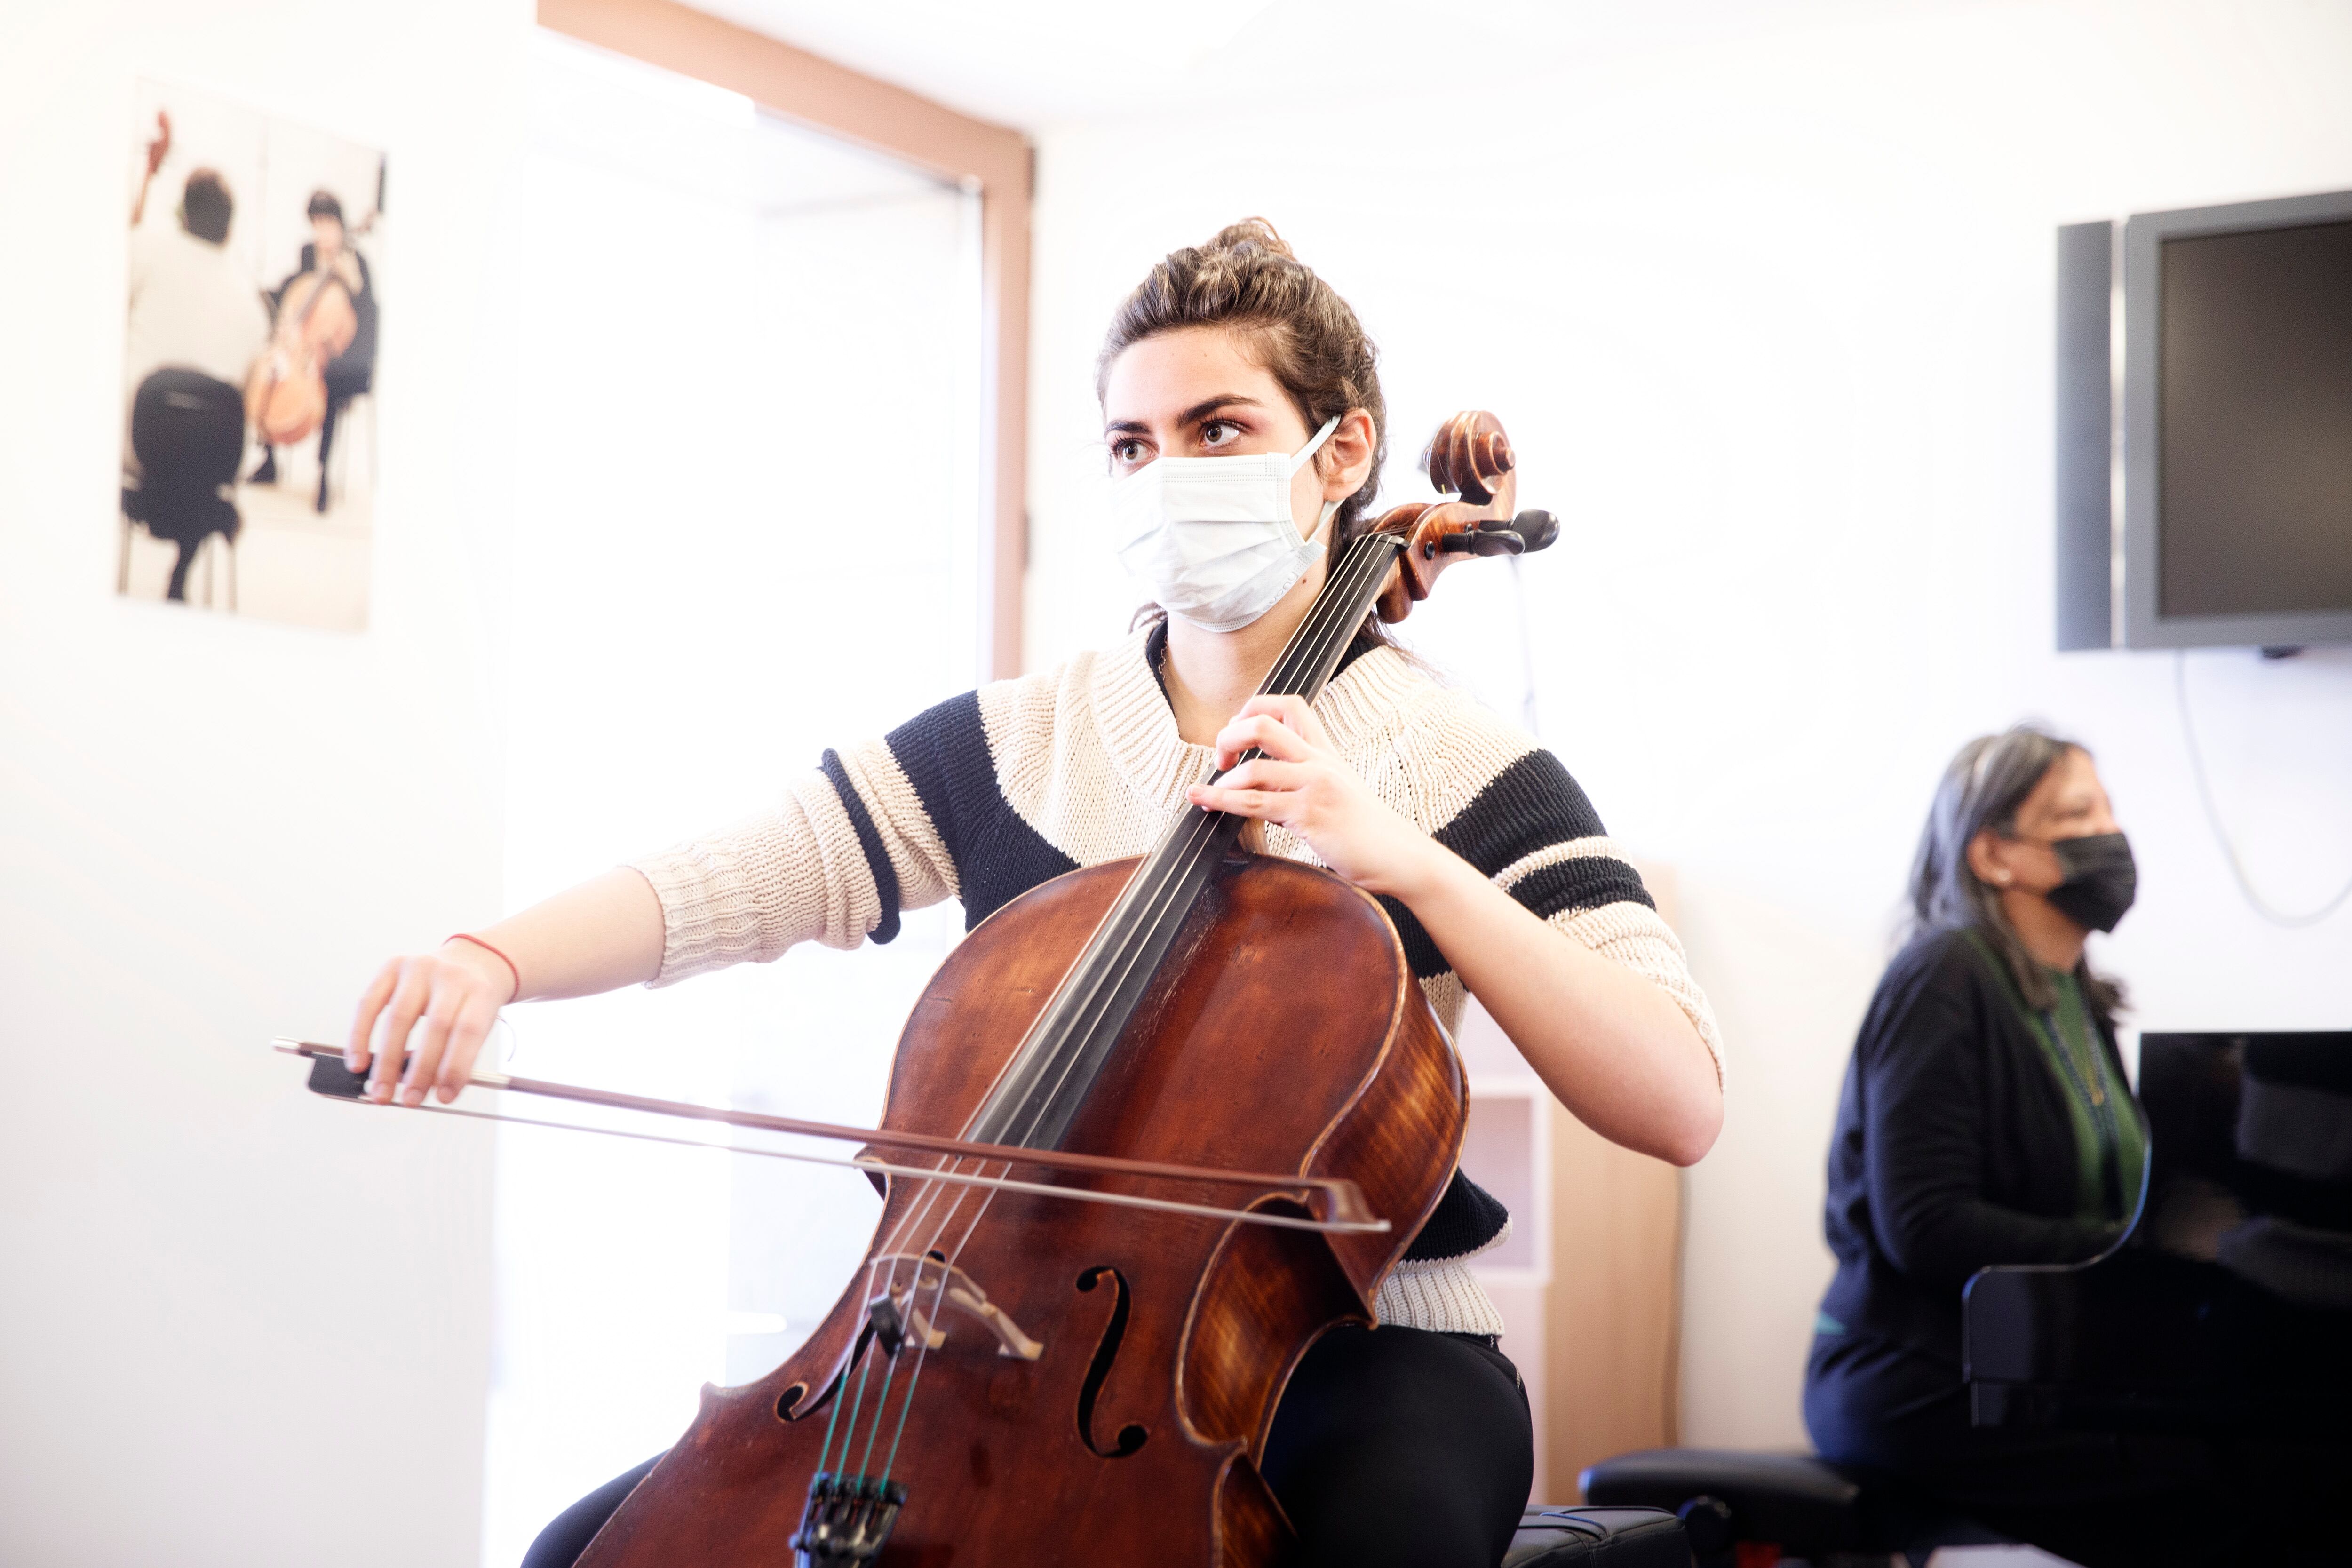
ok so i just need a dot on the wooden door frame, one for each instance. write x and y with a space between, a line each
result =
798 86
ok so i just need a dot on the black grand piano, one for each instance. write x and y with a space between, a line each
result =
2227 1306
2225 1312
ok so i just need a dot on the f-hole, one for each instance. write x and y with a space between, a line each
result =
1131 1435
785 1400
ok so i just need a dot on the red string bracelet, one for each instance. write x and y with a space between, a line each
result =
485 947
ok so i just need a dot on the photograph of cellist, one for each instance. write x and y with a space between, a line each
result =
1227 884
250 340
322 354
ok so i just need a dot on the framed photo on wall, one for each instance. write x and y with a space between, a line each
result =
253 321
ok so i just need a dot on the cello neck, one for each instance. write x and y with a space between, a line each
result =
1045 1084
1314 649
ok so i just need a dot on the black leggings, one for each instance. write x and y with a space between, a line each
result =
1392 1446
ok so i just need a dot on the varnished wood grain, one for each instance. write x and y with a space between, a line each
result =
1470 457
1288 1035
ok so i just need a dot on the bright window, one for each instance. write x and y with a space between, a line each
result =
748 366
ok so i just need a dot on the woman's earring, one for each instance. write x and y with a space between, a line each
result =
2002 879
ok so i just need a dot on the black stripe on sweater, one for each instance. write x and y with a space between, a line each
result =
1467 1216
1581 882
878 860
943 751
1530 806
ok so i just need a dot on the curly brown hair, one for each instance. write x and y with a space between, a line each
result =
1291 323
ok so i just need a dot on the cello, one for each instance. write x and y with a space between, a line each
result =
1014 1378
285 397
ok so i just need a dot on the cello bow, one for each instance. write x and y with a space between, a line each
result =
1341 1202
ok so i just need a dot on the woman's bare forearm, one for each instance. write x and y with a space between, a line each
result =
1615 1050
599 936
423 1017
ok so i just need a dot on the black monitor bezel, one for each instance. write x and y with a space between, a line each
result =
2144 237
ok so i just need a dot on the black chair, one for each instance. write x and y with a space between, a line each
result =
1598 1537
1805 1506
187 430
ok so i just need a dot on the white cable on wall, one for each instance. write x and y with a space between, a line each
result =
2261 905
1526 652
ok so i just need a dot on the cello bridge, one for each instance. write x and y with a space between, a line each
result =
935 1281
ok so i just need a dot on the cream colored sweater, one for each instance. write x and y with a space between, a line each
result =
989 793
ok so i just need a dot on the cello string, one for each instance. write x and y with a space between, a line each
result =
834 1419
865 1365
1106 987
895 1252
890 1373
907 1405
923 1337
1168 862
1154 874
938 1297
865 1369
1174 861
1289 668
892 1249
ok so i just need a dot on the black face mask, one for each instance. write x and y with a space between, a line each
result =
2100 880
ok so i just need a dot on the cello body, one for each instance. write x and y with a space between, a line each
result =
1286 1031
286 398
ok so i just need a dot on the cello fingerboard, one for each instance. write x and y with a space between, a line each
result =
1047 1084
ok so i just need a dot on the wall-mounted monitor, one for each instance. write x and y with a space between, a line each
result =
2223 514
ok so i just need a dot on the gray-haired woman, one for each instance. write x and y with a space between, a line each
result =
1986 1119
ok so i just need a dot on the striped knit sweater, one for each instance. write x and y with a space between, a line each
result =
992 793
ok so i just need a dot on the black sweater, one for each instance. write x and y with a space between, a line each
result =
1953 1149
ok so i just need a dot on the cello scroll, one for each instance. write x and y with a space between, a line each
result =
1470 458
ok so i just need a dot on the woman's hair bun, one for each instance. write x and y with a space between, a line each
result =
1250 231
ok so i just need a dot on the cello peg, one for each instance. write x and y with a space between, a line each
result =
1538 529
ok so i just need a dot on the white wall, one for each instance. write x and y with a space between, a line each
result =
239 1325
1769 316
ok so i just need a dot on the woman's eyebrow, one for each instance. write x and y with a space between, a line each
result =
1193 416
1200 411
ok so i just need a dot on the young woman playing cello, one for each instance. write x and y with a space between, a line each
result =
1231 369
